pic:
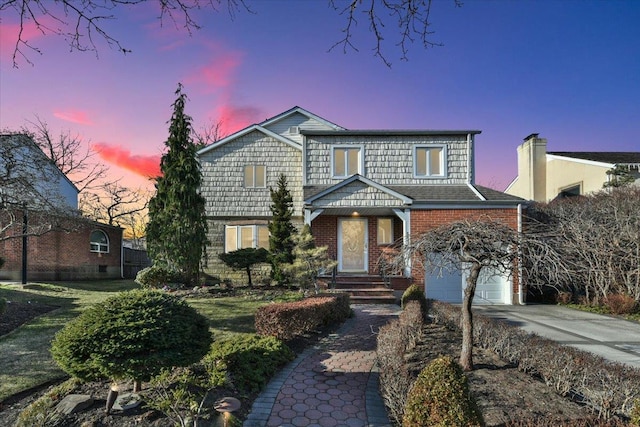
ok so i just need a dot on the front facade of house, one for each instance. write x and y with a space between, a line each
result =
544 176
362 192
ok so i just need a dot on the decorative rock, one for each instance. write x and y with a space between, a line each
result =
73 403
127 401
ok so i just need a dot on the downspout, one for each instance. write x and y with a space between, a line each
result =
121 254
521 300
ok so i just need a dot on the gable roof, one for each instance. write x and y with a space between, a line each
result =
324 190
246 131
612 157
262 127
300 110
387 132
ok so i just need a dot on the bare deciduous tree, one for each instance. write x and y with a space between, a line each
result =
599 239
114 204
69 153
411 18
83 22
478 246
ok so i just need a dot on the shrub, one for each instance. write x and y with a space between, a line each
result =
440 397
246 362
620 304
244 259
132 335
156 276
415 293
288 320
635 413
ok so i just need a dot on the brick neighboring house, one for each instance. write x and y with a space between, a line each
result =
60 245
544 175
360 190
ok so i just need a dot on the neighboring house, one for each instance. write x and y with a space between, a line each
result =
59 243
361 191
545 175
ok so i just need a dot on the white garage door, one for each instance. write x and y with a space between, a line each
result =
448 287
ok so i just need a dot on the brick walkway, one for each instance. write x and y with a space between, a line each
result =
333 384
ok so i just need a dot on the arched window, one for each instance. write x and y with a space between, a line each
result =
99 242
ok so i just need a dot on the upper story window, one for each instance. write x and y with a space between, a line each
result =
255 176
246 236
99 242
429 161
346 161
385 231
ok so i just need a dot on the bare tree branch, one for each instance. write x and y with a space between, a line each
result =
73 157
80 22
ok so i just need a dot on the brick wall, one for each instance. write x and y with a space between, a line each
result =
63 255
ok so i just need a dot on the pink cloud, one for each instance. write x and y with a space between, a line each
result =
219 73
233 119
146 166
74 116
10 32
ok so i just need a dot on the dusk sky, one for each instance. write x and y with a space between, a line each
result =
568 70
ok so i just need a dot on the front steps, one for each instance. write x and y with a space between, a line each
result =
362 289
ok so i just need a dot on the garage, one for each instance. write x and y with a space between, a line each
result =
449 287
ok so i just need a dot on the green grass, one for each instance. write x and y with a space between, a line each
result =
24 353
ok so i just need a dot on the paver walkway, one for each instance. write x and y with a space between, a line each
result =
334 383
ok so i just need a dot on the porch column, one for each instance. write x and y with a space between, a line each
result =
405 216
311 215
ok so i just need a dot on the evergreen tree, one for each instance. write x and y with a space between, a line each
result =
619 176
309 260
281 230
177 229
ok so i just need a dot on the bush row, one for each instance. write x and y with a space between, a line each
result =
609 388
394 341
286 321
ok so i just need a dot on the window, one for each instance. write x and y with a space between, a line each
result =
571 191
385 231
347 161
255 176
429 161
99 242
246 236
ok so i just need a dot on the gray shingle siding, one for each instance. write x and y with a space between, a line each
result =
388 160
223 176
282 127
357 194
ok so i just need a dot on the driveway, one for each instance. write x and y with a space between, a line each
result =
612 338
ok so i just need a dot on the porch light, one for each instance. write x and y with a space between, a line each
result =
355 213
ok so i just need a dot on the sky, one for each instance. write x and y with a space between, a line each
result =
566 69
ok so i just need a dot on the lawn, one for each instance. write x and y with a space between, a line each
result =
24 353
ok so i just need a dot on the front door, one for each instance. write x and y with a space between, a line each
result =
352 245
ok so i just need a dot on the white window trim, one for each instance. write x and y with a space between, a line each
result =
360 160
254 234
253 167
443 161
99 244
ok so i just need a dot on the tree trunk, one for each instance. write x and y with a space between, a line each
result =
249 276
466 355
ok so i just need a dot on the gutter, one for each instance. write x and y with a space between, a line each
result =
521 300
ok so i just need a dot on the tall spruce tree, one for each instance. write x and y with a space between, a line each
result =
177 229
281 230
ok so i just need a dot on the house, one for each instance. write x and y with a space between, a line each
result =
360 190
58 243
545 175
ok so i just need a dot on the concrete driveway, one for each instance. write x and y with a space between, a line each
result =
612 338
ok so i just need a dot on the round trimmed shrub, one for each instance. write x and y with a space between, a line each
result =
133 335
440 397
155 277
415 293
